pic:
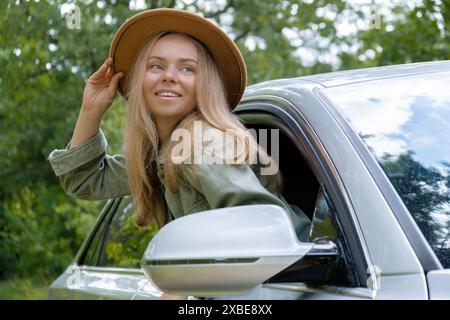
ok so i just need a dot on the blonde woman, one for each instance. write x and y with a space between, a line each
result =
177 72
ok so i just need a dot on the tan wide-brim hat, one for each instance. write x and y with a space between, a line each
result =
131 36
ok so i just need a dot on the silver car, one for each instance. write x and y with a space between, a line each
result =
364 153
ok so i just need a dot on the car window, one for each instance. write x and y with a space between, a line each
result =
124 243
405 124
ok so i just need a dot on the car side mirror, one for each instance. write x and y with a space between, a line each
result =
225 251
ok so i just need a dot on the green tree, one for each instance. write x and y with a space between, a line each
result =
44 66
405 34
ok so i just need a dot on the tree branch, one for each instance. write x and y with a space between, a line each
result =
242 35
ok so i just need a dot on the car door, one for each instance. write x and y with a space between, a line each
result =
107 265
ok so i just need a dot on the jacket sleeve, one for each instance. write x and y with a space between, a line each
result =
228 185
87 172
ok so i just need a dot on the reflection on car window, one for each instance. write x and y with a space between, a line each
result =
405 123
125 243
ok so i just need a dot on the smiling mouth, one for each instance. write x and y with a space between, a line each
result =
168 94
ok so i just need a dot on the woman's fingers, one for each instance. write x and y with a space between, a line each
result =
103 83
102 71
112 87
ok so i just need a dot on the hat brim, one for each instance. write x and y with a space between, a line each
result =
131 36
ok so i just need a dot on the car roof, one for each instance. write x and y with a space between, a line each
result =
339 78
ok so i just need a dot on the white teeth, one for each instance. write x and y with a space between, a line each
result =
167 94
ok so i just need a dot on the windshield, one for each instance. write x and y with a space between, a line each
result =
405 123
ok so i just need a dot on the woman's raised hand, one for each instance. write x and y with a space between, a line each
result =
97 98
101 88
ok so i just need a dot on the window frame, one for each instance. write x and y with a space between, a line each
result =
98 230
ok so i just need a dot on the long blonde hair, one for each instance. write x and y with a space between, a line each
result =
141 137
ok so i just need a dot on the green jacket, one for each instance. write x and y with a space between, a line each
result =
87 172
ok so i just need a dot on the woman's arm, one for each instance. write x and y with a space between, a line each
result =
84 168
87 172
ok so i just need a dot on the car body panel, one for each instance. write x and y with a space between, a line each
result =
341 78
439 284
80 283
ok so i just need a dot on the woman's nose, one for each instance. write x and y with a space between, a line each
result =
169 75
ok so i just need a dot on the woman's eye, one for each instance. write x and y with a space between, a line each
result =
187 69
155 67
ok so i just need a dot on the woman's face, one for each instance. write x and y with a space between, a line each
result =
169 85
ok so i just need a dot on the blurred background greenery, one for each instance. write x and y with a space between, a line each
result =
46 55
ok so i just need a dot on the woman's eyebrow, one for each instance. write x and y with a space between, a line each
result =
188 60
181 59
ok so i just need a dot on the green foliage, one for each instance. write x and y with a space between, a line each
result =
44 65
24 289
42 228
421 33
126 242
